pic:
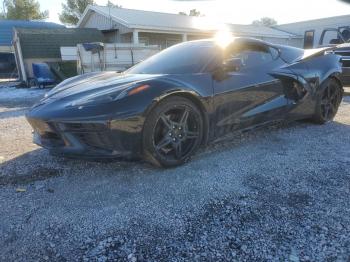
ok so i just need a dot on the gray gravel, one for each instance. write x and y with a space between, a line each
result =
275 194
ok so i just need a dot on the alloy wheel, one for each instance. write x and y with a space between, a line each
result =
330 101
177 133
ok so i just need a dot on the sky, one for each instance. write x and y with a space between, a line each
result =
231 11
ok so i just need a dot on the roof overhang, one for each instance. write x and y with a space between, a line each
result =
178 30
170 30
90 9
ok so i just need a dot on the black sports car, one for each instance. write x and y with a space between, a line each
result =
164 108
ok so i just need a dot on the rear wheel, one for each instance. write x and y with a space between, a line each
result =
328 102
173 132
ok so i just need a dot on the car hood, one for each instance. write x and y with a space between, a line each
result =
94 83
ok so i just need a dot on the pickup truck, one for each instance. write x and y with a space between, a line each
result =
339 38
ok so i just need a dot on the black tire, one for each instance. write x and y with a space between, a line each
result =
173 132
328 101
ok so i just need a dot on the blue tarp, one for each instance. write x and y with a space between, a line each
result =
93 47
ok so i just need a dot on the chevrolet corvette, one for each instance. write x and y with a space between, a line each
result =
164 108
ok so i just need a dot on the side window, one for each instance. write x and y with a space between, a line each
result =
309 38
251 55
345 33
331 37
274 52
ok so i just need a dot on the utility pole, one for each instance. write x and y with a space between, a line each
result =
3 9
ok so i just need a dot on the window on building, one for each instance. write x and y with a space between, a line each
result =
171 42
144 40
7 65
309 39
110 36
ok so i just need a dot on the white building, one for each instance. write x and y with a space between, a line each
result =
123 25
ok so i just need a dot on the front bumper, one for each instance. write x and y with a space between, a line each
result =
345 76
102 139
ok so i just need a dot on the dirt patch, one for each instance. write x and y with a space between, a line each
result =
37 174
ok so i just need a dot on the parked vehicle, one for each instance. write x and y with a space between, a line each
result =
339 39
165 108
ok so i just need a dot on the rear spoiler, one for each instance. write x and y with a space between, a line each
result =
310 53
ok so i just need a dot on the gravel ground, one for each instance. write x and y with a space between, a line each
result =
275 194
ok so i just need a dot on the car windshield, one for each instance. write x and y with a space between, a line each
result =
185 58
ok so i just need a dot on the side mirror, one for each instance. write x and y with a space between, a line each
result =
233 65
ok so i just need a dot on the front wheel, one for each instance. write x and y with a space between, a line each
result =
328 102
173 132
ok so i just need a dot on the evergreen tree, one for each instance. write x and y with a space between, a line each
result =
111 4
72 10
23 9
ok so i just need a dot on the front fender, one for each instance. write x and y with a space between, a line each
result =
196 87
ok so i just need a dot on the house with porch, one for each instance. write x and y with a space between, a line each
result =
121 25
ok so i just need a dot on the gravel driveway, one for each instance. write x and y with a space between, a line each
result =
275 194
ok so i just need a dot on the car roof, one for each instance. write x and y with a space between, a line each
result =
234 39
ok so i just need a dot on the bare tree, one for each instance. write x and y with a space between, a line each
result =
265 21
193 12
111 4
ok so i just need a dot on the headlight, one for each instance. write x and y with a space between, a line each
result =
110 95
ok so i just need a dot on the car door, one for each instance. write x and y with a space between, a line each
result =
249 95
